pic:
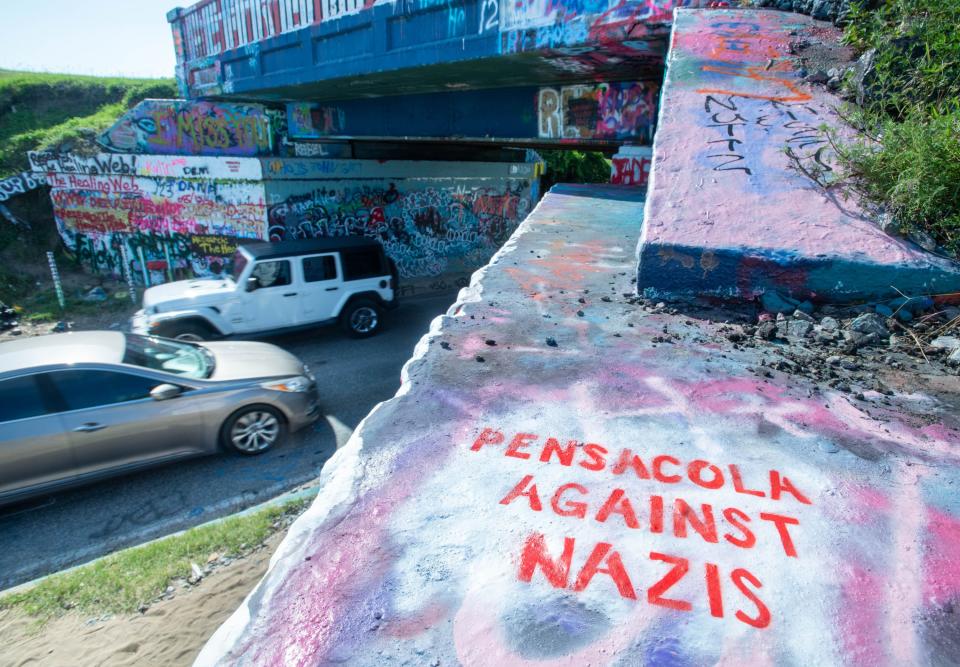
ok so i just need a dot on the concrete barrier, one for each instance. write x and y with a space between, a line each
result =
556 484
728 213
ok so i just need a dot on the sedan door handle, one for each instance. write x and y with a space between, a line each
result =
290 294
332 289
90 427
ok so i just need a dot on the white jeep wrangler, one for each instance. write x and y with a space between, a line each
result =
278 287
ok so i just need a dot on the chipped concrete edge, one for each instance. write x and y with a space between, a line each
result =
340 480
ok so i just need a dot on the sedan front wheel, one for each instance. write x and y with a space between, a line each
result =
253 430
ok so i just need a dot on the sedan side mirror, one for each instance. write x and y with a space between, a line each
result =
252 284
164 392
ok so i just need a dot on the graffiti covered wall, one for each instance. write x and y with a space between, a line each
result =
589 495
181 127
180 216
620 110
177 216
738 125
430 221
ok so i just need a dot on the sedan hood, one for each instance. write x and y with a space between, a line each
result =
247 361
187 293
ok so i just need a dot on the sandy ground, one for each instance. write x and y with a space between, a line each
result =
171 632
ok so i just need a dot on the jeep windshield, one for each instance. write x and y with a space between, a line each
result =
171 356
239 264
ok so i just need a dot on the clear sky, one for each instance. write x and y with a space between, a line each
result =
103 37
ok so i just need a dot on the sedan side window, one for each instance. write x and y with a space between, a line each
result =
272 274
20 398
87 389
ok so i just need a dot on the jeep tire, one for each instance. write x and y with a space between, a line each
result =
361 318
187 331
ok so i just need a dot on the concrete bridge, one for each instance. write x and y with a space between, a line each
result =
581 72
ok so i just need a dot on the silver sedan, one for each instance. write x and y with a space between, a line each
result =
81 406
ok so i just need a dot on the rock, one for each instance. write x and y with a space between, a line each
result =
870 323
946 342
818 77
833 72
801 315
96 294
834 83
888 223
196 574
823 10
954 358
798 328
213 558
904 315
775 303
552 342
883 310
579 313
766 331
951 313
445 345
479 359
829 324
864 76
922 239
491 342
142 608
834 360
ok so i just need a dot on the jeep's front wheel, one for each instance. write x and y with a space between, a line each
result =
361 318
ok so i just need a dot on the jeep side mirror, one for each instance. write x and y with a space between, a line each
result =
163 392
252 283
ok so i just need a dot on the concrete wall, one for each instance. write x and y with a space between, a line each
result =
729 213
434 218
183 216
176 215
557 485
180 127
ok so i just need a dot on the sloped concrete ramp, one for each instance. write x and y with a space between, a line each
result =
730 212
556 485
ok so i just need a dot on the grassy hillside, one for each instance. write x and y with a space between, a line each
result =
44 110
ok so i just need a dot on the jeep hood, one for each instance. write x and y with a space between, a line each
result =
187 294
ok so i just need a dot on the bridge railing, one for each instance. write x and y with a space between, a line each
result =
211 27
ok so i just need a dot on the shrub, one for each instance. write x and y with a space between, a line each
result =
908 156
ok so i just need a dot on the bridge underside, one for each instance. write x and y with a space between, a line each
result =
581 73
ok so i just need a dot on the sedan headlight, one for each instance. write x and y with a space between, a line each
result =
295 384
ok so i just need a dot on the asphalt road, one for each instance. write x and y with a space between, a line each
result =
48 534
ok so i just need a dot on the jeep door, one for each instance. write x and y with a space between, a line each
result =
321 288
273 304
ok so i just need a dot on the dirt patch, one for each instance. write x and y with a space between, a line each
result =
170 632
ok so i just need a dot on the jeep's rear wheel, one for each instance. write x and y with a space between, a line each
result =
361 318
193 332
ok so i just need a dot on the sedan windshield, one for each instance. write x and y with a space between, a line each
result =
172 356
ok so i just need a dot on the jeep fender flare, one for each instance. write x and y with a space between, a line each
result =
372 295
207 316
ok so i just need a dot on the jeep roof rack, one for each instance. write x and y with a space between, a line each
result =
267 250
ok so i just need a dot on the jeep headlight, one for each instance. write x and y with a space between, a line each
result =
295 384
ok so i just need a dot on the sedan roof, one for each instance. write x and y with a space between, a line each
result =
83 347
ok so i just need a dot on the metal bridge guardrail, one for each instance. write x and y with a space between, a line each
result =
211 27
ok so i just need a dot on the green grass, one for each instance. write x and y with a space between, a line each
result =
39 110
907 158
120 583
42 306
